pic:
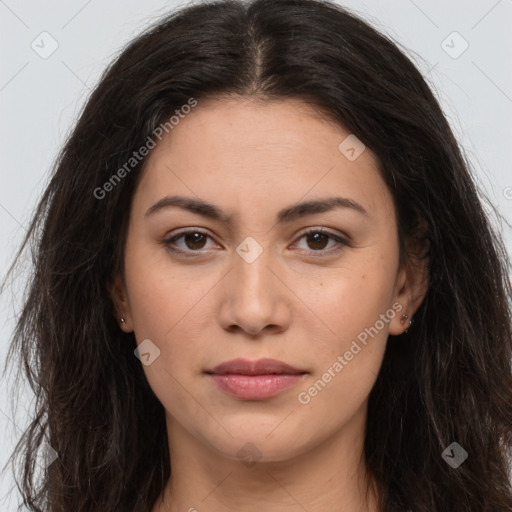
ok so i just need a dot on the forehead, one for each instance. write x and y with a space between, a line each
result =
261 149
248 125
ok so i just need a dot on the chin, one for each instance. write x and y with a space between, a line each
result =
261 445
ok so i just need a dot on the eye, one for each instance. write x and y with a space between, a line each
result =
317 239
194 240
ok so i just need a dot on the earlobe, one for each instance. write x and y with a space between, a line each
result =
400 323
412 287
406 322
121 306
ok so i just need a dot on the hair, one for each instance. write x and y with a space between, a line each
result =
448 379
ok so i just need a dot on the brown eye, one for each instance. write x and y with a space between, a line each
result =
193 241
317 241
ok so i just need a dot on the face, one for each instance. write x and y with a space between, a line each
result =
257 276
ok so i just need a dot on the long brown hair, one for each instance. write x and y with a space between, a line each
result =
449 379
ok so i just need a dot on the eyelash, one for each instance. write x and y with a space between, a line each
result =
342 242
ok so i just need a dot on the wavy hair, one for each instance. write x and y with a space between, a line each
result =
449 379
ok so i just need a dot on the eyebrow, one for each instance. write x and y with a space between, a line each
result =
285 215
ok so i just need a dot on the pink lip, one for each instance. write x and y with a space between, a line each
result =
259 367
255 380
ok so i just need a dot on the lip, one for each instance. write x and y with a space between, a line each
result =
259 367
255 380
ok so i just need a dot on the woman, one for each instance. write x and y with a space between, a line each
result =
264 280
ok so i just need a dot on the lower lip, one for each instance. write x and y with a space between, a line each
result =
255 387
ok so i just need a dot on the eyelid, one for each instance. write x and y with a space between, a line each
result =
325 231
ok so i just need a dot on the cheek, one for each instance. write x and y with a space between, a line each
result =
354 307
171 306
159 293
167 308
347 359
354 296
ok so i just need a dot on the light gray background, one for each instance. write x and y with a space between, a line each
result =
41 97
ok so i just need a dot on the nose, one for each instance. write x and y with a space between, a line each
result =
254 297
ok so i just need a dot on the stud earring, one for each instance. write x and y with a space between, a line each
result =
405 317
123 321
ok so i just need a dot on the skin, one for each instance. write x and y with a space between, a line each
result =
252 159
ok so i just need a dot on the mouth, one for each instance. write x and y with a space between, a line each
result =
255 380
258 367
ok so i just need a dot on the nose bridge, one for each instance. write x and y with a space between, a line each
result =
253 298
252 274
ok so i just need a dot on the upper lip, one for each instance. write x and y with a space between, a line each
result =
259 367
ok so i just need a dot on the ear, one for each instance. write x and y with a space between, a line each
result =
118 293
410 290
